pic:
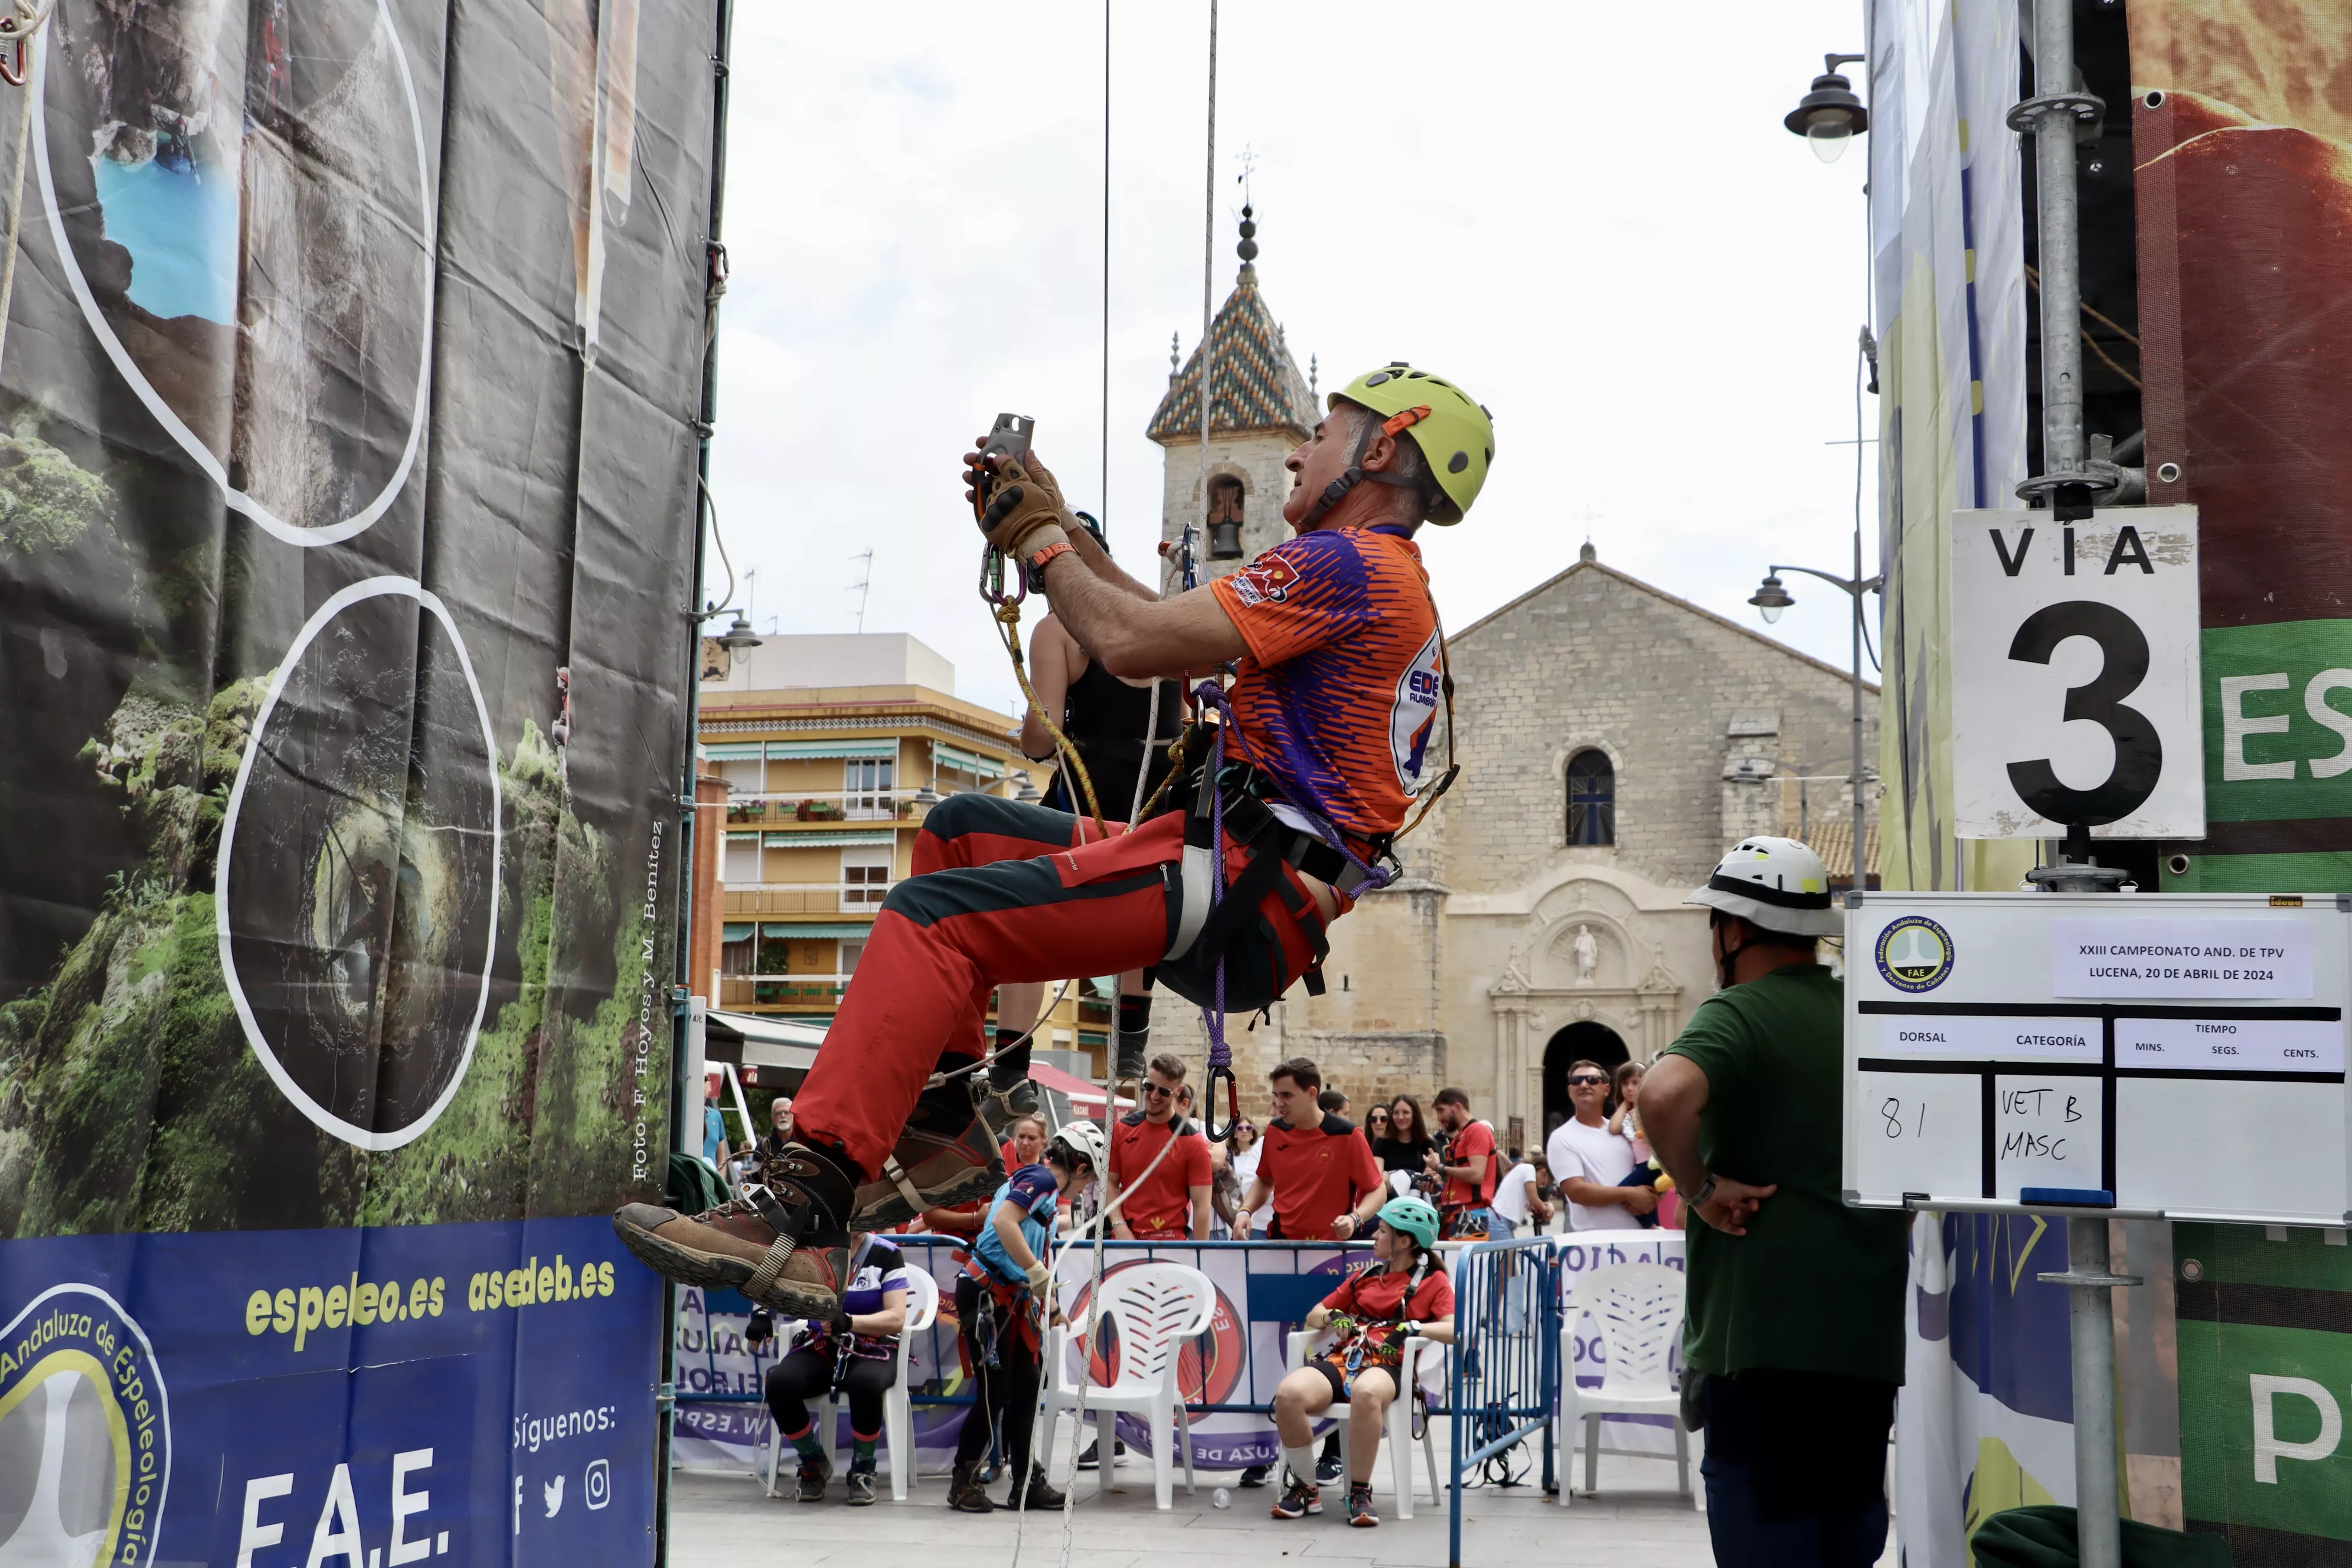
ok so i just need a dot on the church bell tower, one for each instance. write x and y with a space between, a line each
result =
1260 407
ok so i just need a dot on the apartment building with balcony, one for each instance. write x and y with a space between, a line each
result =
832 749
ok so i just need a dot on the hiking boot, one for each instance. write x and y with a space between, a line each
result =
815 1470
861 1487
1042 1495
965 1494
783 1244
1298 1500
945 1155
1359 1505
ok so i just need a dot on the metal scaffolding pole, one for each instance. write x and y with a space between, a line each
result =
2070 482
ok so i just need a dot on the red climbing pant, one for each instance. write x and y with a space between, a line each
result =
1004 892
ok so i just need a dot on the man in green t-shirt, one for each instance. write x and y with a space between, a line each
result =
1793 1339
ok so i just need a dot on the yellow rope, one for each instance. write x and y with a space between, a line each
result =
1008 627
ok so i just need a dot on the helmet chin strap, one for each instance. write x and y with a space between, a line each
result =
1354 474
1729 958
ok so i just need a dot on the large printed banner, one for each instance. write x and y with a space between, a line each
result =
1263 1289
2242 174
346 509
1949 295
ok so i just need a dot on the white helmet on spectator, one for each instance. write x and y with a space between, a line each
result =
1776 884
1081 1140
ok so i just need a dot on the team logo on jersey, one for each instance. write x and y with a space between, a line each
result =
1264 581
1413 719
82 1404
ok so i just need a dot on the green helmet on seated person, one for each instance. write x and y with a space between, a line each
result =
1413 1217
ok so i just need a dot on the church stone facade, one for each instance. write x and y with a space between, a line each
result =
1613 739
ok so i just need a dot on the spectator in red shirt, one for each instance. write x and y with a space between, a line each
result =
1315 1167
1172 1202
1467 1165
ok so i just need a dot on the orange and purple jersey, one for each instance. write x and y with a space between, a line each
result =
1338 696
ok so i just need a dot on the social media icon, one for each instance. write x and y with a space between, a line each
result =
596 1485
554 1493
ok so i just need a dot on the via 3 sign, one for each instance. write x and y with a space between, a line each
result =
2074 674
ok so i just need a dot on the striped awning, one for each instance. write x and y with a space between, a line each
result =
965 761
810 751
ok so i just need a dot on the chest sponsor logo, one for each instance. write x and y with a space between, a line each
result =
1413 718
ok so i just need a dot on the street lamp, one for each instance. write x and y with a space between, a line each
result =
1771 598
738 637
1831 115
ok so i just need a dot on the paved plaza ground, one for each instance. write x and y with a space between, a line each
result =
723 1521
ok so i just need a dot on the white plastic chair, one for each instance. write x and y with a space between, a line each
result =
1398 1438
898 1409
1638 1307
1154 1308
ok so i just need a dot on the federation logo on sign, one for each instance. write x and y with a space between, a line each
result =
1914 953
82 1405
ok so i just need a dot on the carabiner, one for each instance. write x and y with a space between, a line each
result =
992 578
1209 1105
14 76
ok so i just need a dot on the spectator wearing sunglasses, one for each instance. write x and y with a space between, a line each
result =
1172 1203
1590 1162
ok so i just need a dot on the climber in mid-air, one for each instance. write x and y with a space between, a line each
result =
1340 675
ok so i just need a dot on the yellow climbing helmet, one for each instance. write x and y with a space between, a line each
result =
1453 430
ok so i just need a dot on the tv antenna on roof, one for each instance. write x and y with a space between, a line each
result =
864 585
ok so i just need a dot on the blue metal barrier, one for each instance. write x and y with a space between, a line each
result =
1506 1357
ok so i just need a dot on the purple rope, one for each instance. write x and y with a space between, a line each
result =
1221 1055
1209 694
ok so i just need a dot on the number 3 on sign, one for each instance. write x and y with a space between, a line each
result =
2074 674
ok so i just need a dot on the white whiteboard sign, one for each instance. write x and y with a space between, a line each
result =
1991 1066
2074 674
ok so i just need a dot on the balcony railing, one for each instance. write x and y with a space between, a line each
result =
781 990
805 897
821 805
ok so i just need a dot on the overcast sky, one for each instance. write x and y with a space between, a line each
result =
1586 214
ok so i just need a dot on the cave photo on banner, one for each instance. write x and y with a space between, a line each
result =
345 515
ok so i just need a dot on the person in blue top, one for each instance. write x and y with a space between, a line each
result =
1001 1300
856 1350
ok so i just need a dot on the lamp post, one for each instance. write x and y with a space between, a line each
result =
1771 598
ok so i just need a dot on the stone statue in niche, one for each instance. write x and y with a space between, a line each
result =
1588 955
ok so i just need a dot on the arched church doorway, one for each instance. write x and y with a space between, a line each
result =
1584 1040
